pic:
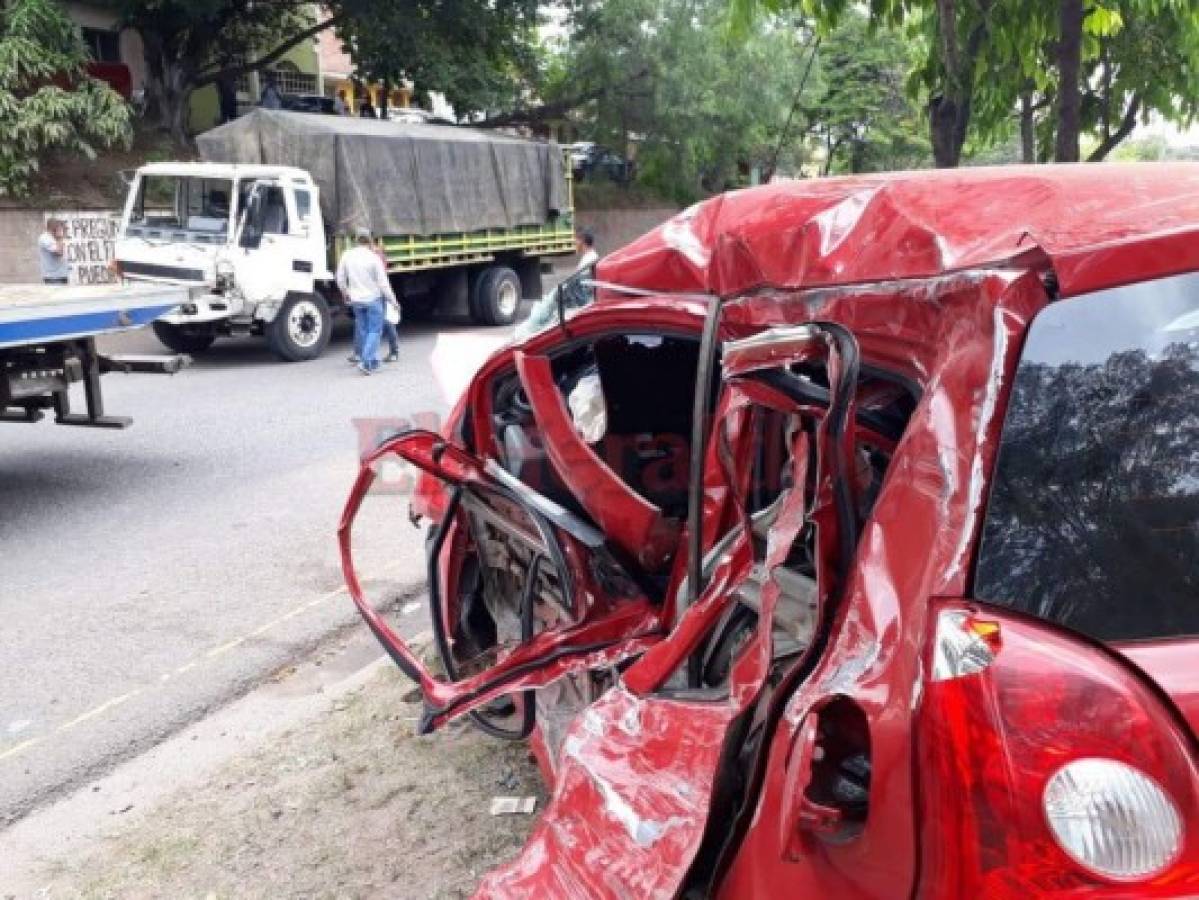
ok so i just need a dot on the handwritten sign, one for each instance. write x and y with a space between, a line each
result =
90 244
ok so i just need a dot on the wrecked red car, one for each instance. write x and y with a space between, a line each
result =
839 541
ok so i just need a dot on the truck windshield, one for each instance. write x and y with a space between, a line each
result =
1093 521
171 207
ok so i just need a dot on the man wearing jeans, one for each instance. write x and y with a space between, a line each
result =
364 283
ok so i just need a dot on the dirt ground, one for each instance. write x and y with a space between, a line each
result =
352 804
72 181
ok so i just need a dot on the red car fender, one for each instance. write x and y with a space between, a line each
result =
914 547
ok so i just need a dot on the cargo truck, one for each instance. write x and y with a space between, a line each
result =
465 219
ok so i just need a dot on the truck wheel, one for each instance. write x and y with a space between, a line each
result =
183 338
300 330
497 296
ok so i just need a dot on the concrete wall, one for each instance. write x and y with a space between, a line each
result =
90 242
19 230
613 228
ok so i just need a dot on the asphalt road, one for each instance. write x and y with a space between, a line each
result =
150 575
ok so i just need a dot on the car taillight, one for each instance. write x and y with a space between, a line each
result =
1047 768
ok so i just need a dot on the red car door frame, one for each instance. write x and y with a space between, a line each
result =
640 766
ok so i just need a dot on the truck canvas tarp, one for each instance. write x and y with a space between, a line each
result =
399 179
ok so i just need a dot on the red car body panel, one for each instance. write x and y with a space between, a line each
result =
937 276
876 650
1096 226
1171 666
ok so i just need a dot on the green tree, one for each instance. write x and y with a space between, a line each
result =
1062 69
189 44
47 101
1136 60
862 116
474 51
663 76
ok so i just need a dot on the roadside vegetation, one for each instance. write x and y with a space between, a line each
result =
697 95
47 101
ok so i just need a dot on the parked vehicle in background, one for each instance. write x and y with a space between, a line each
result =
580 152
310 103
465 219
413 115
886 589
590 161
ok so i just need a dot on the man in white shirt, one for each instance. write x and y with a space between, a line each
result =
545 311
52 254
585 247
364 283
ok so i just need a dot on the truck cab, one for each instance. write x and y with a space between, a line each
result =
251 236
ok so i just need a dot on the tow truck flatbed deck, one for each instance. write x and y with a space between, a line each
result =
41 313
48 342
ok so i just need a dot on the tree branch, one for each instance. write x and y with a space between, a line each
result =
803 81
534 114
1127 124
280 51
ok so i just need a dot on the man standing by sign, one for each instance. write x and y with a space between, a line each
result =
52 253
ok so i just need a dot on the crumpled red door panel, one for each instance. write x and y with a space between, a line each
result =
963 335
603 636
634 783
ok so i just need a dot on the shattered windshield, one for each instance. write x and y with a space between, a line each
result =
170 207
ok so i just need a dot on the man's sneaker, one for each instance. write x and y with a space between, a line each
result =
392 357
352 358
364 370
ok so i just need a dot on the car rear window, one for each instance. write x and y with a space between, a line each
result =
1094 507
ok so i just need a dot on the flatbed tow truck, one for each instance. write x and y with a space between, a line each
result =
48 342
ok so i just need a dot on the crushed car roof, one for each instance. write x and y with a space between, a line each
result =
1095 225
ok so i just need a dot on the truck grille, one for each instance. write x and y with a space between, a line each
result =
150 270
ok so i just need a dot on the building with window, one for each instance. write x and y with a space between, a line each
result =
119 58
309 76
337 74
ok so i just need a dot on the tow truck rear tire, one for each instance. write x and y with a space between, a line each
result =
497 296
183 338
300 330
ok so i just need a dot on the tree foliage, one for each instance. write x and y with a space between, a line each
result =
476 52
986 65
1137 59
663 79
481 54
47 101
192 43
862 116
